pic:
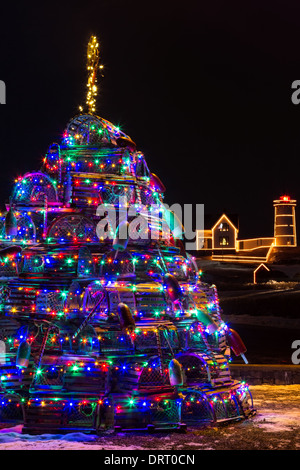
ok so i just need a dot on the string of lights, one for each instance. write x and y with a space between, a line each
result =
98 331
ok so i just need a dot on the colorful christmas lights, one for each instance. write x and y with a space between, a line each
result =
97 330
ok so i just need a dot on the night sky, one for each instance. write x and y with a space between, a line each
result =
203 88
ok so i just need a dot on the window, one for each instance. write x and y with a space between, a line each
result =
223 227
224 241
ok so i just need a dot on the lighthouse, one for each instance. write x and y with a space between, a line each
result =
285 221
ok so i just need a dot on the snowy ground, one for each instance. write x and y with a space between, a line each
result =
276 426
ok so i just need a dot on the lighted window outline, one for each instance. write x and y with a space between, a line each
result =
202 236
223 241
224 227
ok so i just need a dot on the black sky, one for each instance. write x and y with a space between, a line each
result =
203 88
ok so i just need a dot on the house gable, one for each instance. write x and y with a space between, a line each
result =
224 234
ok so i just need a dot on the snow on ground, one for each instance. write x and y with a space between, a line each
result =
275 426
13 439
278 407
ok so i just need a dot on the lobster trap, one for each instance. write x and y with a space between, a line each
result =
143 412
60 413
203 406
209 368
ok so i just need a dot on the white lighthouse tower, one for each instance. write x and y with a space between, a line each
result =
285 221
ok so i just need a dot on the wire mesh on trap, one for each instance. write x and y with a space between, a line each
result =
11 408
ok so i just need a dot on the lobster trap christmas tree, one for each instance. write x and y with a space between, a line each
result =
105 322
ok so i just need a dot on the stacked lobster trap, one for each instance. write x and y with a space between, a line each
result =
101 331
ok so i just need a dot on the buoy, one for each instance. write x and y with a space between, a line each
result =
156 183
175 373
2 352
125 142
207 321
121 239
125 317
174 223
68 188
53 158
235 342
23 354
11 224
10 250
172 287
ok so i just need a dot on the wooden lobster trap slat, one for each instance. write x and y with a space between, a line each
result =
90 377
62 412
15 379
142 374
11 407
142 411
